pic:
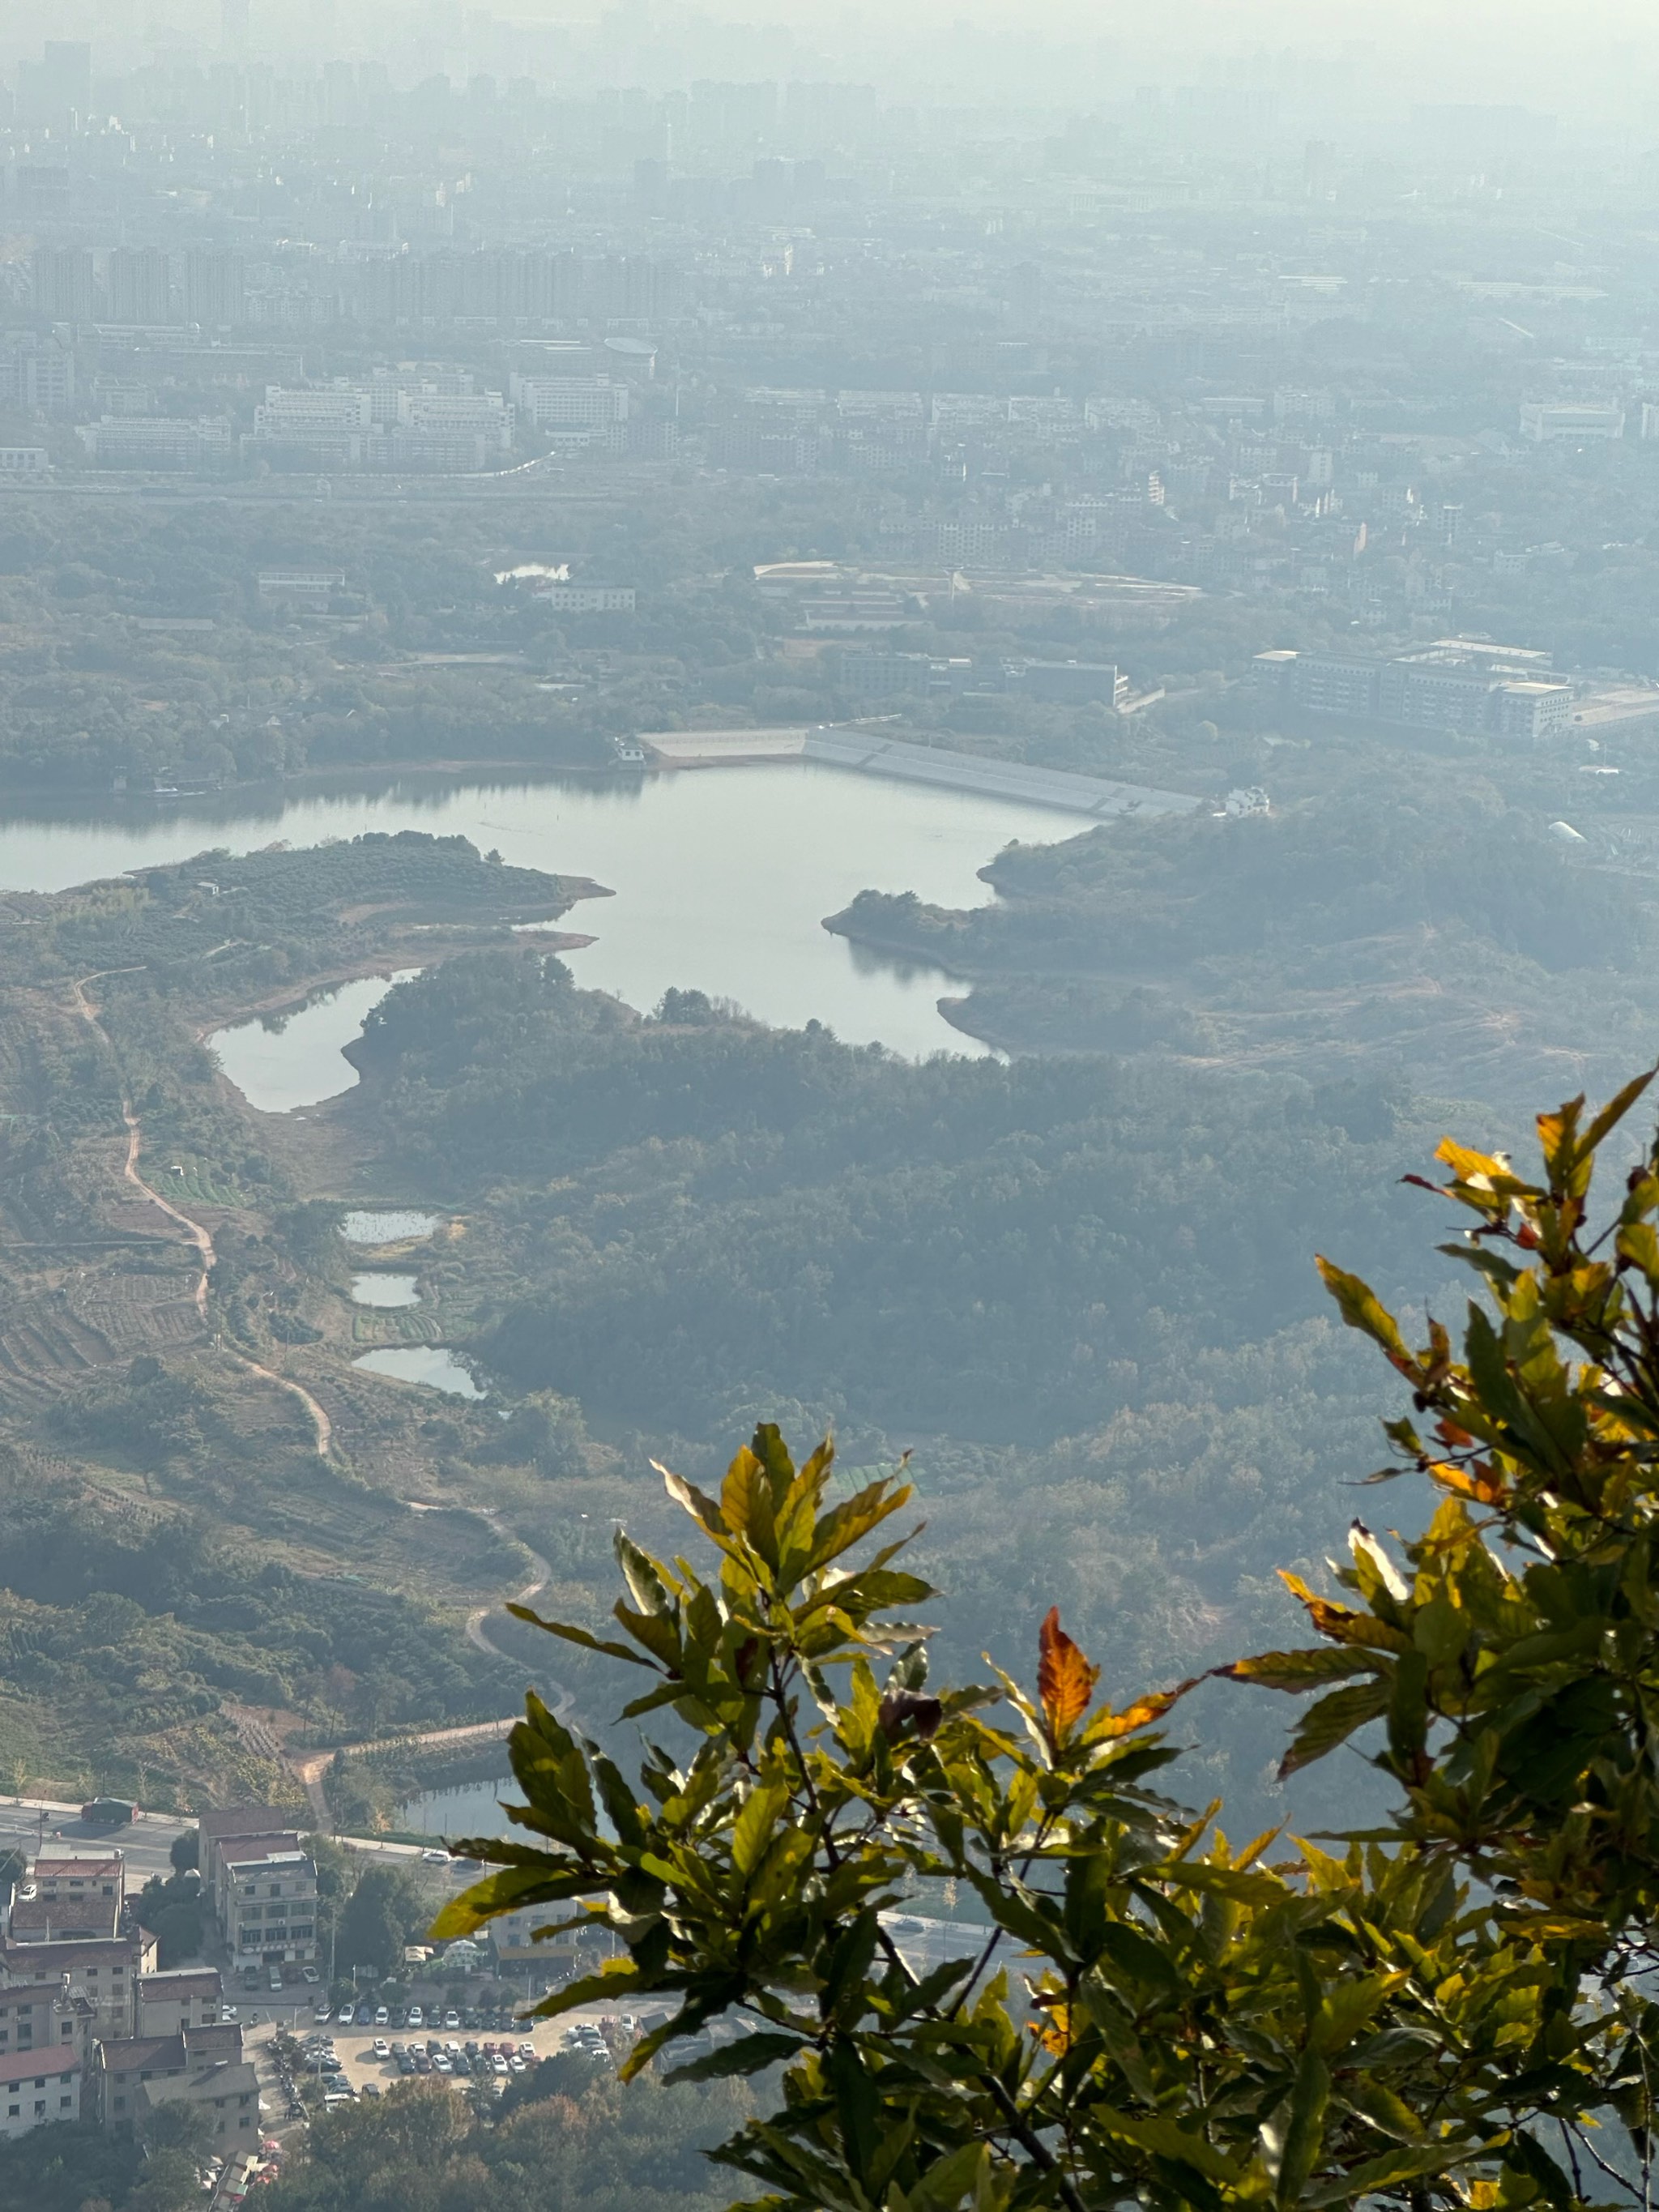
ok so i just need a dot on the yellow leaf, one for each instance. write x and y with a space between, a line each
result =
1107 1728
1066 1681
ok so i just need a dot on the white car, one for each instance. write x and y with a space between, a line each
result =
381 2047
416 2017
435 1858
382 2016
346 2015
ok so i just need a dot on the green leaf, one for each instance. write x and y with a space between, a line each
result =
750 2054
1304 2131
607 1646
1333 1721
1297 1671
842 1996
840 1528
751 1832
1168 2139
1361 1308
1387 2171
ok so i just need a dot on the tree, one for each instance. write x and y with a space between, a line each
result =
185 1851
384 1911
171 1911
1429 2015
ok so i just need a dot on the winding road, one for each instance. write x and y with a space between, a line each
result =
322 1427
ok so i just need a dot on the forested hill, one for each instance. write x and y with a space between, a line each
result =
1432 927
703 1206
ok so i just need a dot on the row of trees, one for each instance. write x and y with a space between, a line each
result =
1451 2009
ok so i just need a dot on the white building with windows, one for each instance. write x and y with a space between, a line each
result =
265 1901
37 2088
566 406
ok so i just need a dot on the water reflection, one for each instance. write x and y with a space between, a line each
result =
279 1062
722 877
386 1291
387 1226
432 1365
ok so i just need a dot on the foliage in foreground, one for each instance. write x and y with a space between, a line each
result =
1439 2013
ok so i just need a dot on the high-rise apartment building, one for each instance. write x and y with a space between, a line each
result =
56 91
140 285
213 289
64 283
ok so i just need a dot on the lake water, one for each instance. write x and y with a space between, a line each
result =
472 1810
279 1061
722 879
386 1291
390 1226
430 1365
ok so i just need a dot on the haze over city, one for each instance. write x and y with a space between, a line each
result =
813 821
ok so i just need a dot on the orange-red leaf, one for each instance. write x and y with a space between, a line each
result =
1066 1681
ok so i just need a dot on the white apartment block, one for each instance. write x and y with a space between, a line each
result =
1543 420
588 598
475 415
300 587
265 1901
570 405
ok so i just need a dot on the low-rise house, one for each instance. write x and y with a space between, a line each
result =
38 2088
69 1899
186 1996
212 1829
227 2091
43 2016
122 2066
105 1972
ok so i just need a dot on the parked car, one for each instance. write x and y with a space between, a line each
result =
416 2017
308 1973
346 2015
382 2016
452 2020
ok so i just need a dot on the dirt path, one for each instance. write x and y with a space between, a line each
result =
476 1620
321 1424
198 1236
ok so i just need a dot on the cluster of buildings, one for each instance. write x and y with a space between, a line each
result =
90 2029
1461 684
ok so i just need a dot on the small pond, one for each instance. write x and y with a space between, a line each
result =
433 1365
375 1290
394 1225
279 1062
470 1810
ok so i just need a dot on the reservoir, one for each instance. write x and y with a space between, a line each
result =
722 879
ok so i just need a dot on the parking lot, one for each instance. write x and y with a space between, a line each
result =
367 2069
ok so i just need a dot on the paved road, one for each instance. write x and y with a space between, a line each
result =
144 1844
